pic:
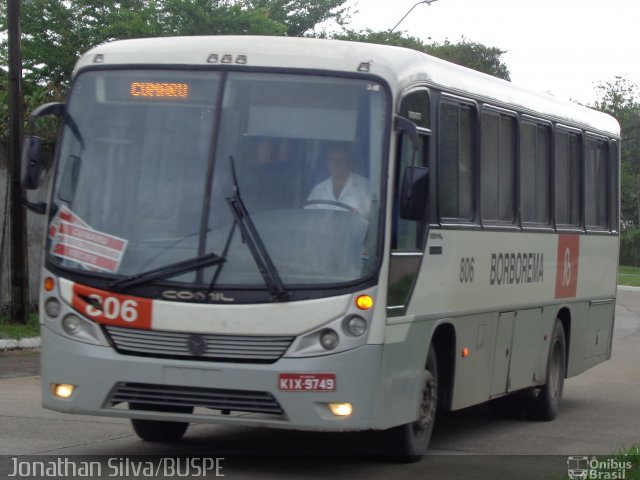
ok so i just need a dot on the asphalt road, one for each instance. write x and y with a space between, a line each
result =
599 416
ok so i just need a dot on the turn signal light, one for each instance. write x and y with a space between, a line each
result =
49 284
364 302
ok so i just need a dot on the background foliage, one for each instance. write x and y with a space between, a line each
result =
57 32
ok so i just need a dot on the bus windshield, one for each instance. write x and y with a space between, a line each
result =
151 162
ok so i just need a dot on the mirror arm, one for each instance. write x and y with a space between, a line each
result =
40 208
52 108
409 128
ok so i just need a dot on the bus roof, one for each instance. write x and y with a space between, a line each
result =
400 67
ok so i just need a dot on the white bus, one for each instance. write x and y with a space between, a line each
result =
318 235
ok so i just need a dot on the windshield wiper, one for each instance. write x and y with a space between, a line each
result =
168 270
254 242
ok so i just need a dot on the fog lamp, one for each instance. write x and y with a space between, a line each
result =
341 409
62 390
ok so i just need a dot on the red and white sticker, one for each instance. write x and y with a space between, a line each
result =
111 308
307 382
567 266
73 239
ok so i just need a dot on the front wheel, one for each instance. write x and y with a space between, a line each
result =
409 442
547 404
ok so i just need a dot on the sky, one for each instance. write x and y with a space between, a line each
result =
562 47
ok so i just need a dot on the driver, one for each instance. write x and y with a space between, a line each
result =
342 186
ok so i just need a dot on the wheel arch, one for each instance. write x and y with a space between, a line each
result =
444 343
564 316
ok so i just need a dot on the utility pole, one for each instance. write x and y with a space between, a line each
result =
19 278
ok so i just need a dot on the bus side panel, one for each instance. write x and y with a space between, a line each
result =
577 337
528 349
600 329
473 373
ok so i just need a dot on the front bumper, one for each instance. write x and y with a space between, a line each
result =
96 371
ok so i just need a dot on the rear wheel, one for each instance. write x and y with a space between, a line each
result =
547 403
409 442
159 430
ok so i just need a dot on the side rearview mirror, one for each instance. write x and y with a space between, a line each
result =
33 160
414 193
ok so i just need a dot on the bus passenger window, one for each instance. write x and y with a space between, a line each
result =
596 184
456 170
497 173
535 156
568 178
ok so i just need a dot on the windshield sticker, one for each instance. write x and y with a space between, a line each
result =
64 215
72 239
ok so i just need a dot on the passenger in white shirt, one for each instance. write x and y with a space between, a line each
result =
342 186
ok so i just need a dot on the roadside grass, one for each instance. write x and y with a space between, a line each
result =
629 276
15 331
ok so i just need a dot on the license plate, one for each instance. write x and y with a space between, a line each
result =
307 382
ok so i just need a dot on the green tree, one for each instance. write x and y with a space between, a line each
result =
466 53
214 17
56 33
472 55
382 38
301 17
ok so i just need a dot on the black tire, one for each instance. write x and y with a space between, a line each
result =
409 442
158 430
547 404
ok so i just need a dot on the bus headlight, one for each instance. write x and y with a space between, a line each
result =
80 329
52 307
329 339
355 326
346 331
72 325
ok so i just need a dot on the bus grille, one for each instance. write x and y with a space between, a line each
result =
166 397
221 348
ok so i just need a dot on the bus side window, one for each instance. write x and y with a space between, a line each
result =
497 168
596 184
615 174
568 178
535 159
408 235
456 159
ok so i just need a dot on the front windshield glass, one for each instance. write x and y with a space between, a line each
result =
144 178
